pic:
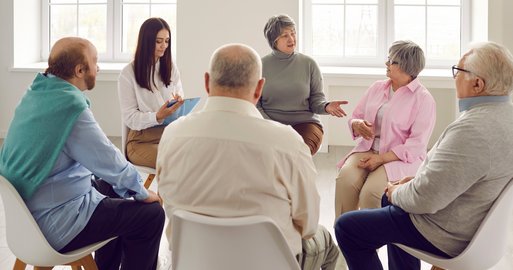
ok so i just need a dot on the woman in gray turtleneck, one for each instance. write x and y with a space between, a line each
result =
293 92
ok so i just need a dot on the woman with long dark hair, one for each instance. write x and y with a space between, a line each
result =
145 88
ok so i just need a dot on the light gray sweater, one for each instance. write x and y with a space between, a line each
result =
464 173
292 92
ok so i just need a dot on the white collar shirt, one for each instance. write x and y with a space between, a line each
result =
228 161
139 106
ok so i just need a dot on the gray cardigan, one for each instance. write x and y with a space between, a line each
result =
464 173
292 92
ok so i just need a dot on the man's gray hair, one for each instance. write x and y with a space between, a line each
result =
408 55
275 25
235 67
493 63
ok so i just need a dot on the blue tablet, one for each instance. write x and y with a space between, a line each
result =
188 105
172 102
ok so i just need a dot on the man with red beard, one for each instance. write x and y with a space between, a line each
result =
52 149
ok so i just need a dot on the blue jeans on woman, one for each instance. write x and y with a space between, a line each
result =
360 233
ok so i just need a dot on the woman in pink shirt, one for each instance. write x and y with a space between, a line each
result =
393 122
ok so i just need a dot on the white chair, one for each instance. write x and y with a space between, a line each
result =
148 170
489 243
27 242
249 243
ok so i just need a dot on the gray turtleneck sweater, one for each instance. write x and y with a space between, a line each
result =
292 92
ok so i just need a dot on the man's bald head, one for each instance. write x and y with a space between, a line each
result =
66 54
235 68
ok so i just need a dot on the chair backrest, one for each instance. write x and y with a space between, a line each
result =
250 243
489 243
25 239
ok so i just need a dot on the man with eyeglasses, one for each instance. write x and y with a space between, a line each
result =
440 209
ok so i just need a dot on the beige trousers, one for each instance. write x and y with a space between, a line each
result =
319 252
358 188
142 146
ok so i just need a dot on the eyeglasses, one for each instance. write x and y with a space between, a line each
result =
456 69
388 62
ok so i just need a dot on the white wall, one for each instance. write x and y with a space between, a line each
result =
29 26
205 25
500 21
9 89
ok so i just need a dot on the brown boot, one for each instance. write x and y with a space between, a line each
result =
436 268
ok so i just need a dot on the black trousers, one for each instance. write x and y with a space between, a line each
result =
137 225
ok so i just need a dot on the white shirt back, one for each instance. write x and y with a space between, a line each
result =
228 161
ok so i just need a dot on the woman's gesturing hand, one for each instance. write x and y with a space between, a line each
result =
334 109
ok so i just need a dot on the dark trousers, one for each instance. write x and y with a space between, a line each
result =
360 233
137 225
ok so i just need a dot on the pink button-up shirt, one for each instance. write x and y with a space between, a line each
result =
406 125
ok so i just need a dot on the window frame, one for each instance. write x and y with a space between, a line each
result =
385 37
114 35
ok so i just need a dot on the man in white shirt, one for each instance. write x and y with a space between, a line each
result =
228 161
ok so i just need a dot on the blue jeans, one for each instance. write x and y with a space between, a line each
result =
360 233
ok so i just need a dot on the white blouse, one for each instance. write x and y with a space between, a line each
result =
138 105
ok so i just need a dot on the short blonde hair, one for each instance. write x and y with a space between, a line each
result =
493 63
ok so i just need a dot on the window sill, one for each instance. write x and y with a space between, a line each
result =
360 76
350 76
108 71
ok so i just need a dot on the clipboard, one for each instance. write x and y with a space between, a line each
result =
188 105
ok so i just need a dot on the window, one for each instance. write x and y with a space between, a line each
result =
111 25
359 32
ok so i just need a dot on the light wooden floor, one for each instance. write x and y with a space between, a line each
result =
325 163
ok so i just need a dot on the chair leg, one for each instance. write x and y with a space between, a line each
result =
436 268
88 263
19 265
148 181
